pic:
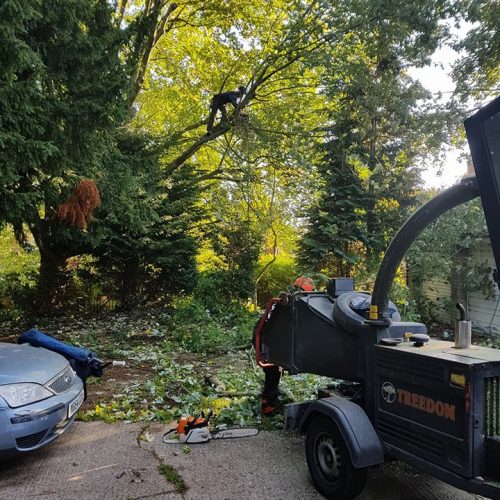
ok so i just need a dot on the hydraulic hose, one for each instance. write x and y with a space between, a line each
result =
465 191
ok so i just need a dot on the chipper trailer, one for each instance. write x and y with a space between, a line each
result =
430 403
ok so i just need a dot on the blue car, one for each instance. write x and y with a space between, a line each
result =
40 394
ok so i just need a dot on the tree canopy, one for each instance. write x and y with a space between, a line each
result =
322 149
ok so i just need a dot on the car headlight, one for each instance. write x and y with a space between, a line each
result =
23 394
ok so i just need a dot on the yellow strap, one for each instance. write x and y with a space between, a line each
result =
373 311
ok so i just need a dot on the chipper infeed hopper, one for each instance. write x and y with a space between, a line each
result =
430 403
323 332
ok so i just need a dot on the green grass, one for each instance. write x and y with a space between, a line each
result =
173 477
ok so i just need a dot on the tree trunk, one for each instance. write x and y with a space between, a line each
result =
52 282
131 284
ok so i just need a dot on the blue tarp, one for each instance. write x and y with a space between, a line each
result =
40 339
83 361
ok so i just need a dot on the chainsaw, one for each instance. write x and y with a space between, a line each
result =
191 430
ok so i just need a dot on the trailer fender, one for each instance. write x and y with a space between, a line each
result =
359 435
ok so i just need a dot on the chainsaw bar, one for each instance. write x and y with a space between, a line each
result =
234 432
203 435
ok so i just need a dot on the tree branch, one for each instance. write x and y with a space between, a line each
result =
161 27
220 130
262 74
178 135
275 255
122 5
152 10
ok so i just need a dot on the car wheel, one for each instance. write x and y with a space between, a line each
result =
330 465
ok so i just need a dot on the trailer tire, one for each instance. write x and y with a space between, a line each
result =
329 461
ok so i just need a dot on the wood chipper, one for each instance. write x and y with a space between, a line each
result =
430 403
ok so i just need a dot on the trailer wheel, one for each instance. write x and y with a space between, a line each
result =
329 461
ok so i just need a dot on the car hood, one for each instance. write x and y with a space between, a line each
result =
24 363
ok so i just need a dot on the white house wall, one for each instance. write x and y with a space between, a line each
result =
439 293
484 313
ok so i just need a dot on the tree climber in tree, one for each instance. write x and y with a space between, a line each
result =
219 102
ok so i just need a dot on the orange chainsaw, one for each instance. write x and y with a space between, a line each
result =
190 430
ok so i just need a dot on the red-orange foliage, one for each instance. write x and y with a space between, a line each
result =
78 208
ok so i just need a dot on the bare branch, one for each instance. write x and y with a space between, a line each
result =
122 5
275 255
262 96
219 131
153 9
178 135
161 26
228 73
214 173
310 135
177 162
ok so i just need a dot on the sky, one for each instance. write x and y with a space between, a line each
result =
437 78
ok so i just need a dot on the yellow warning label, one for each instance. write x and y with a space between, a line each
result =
458 379
373 311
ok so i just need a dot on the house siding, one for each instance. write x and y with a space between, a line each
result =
439 293
484 313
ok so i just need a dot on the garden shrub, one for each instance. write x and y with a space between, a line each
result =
278 277
198 329
18 275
